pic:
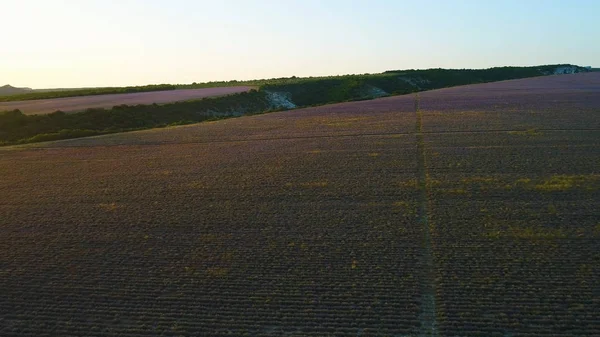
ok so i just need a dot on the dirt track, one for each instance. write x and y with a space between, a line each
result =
75 104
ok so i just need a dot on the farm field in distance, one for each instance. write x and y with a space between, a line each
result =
81 103
466 211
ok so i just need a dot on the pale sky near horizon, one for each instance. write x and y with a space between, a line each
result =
92 43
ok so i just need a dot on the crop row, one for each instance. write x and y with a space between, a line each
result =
515 232
215 241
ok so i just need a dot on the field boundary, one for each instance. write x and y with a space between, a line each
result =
45 146
428 302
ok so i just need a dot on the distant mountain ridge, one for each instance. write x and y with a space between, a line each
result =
7 90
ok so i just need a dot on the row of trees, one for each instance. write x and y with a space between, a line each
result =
16 127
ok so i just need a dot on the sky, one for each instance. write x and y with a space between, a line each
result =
93 43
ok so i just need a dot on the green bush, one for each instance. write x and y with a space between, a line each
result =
16 127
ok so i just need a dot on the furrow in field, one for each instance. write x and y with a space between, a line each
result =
428 300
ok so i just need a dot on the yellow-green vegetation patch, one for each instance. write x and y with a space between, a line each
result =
198 185
433 113
597 228
552 209
314 184
456 164
296 245
162 172
528 232
529 132
405 207
453 114
521 183
471 113
109 206
479 180
456 191
567 182
585 271
408 184
550 184
214 238
467 184
217 272
373 154
309 184
431 183
403 204
376 204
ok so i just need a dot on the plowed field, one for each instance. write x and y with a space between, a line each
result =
469 211
81 103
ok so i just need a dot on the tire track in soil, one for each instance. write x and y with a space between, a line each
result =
43 145
428 303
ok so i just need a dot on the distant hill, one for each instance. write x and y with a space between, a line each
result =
8 90
278 94
329 89
333 89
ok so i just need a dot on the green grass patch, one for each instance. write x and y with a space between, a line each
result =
567 182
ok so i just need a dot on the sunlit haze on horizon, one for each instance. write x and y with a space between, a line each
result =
68 43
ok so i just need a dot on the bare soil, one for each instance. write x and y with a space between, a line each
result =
480 218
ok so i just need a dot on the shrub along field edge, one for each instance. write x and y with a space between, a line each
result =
17 128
